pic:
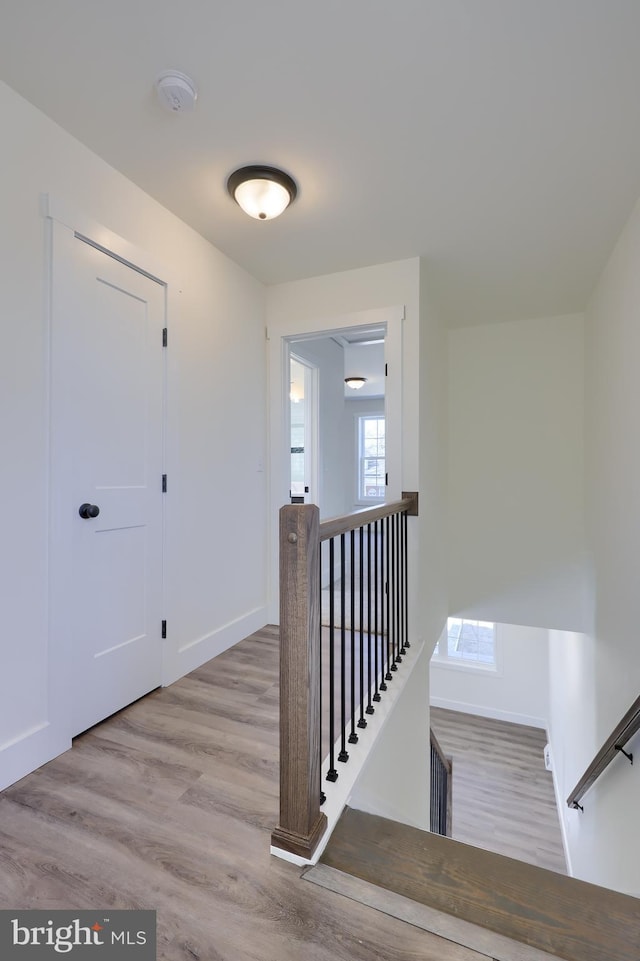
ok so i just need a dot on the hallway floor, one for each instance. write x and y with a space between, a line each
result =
169 805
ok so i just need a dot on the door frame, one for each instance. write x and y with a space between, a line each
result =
279 336
60 587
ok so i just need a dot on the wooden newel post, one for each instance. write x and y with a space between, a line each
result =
301 821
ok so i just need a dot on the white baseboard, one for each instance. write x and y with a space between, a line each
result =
195 653
495 713
41 743
561 806
30 750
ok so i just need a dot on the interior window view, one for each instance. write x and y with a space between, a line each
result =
320 467
468 641
371 472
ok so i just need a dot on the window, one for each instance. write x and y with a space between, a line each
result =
469 643
371 466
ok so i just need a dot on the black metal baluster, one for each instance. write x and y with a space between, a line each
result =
323 796
332 774
370 708
384 636
401 578
377 636
405 524
393 591
403 582
361 720
403 613
342 756
433 794
388 676
398 591
439 793
353 737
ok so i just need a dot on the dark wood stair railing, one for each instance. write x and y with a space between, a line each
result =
614 745
302 823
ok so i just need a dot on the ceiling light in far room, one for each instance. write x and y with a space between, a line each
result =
355 383
176 92
262 192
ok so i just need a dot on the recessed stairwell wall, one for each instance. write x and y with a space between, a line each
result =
517 690
602 669
544 514
516 505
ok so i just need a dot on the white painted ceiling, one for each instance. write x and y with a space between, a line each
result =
499 139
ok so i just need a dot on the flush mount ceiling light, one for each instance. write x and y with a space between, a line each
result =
262 192
355 382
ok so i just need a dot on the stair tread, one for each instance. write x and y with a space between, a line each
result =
483 943
572 919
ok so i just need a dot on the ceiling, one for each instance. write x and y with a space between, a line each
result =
498 139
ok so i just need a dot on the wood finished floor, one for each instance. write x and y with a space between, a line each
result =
169 805
503 798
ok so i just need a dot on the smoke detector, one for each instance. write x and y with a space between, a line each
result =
176 92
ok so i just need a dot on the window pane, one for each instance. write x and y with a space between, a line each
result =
371 469
469 641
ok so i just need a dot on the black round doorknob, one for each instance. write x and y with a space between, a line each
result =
88 510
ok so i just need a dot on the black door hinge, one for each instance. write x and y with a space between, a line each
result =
164 483
164 629
386 370
386 480
165 336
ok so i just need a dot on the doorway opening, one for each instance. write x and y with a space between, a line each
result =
331 464
303 430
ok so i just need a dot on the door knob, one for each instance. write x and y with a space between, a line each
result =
88 510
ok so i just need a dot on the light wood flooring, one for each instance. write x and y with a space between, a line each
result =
169 805
503 798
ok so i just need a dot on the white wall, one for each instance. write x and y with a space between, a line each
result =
516 547
216 328
597 674
517 691
394 782
429 367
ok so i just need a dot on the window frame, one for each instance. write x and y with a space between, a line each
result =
360 500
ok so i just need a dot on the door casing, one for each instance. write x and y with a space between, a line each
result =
60 539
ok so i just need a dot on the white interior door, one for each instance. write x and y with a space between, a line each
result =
303 429
107 392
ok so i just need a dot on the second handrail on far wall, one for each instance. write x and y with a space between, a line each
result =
614 745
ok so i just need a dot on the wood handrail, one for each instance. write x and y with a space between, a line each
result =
368 515
446 761
624 731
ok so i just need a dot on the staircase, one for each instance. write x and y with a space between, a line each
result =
502 908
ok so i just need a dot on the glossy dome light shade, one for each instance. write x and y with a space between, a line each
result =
262 192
